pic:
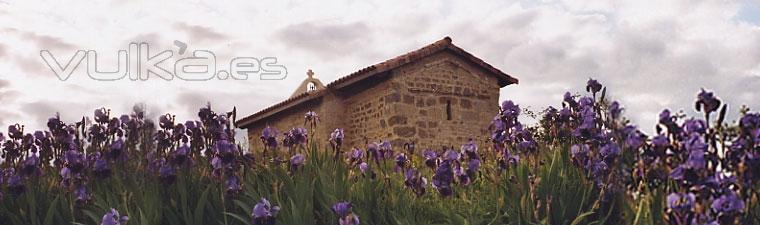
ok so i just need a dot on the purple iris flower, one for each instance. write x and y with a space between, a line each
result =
81 195
216 164
224 147
374 152
264 213
363 167
753 163
498 132
579 154
507 159
66 176
615 110
39 135
498 124
665 117
586 102
269 137
167 173
461 175
116 148
442 179
342 208
564 115
696 148
166 121
694 126
430 158
696 160
296 162
473 165
112 217
707 102
660 142
695 142
588 123
15 132
101 115
192 125
346 217
720 181
750 124
75 161
296 136
527 145
415 181
609 152
312 117
356 155
100 166
233 185
31 166
470 148
400 162
181 155
681 203
386 149
635 139
728 204
569 99
336 138
509 109
16 183
451 155
599 170
593 86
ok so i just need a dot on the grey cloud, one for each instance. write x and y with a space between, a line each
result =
40 111
7 117
192 101
4 84
199 34
33 66
326 40
3 51
43 41
8 95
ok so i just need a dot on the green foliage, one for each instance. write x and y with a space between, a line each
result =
552 192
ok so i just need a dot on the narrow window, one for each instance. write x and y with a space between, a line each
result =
311 86
448 109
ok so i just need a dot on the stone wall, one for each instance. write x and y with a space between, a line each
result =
411 104
440 101
364 109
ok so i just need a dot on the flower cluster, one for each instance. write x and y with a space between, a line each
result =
602 139
714 168
509 137
453 167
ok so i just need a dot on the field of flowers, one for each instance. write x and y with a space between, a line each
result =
582 164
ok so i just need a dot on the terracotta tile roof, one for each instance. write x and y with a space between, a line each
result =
443 44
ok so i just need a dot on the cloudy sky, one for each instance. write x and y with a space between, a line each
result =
651 54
